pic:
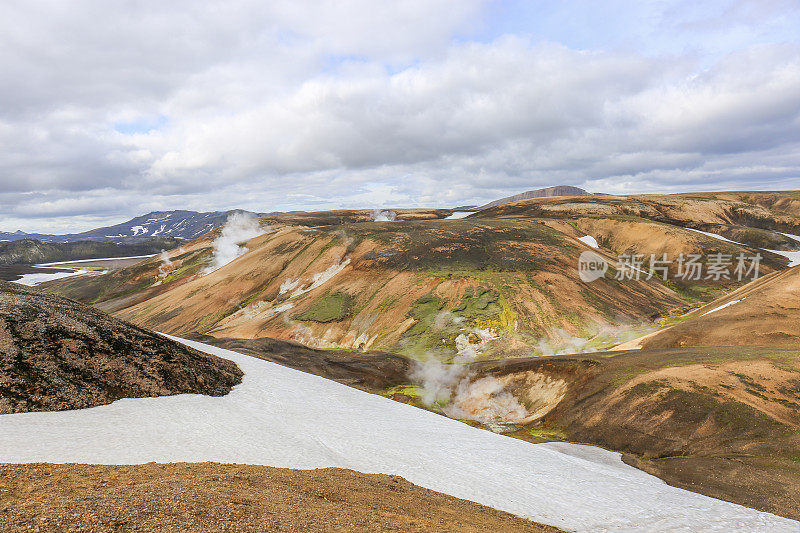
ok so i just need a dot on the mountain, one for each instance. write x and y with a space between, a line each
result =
57 354
494 289
176 224
338 280
558 190
380 286
31 251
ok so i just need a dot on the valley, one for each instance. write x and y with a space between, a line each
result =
484 319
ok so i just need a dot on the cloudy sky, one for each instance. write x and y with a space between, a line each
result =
113 109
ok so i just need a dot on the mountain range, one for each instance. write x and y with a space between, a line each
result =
182 224
179 224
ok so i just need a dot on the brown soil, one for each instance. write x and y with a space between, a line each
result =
57 354
769 309
723 421
387 268
765 210
211 497
369 371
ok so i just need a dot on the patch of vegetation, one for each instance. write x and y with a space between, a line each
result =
424 311
463 246
482 306
548 433
330 308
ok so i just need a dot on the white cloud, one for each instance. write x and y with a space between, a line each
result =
287 105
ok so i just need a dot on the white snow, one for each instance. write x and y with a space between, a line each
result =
317 279
286 418
458 214
40 277
715 236
723 306
793 257
138 230
795 237
589 241
97 259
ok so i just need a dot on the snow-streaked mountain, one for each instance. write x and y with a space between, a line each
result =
179 224
286 418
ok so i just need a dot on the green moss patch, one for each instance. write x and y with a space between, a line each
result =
330 308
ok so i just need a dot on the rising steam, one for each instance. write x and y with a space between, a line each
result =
238 229
454 388
383 216
166 264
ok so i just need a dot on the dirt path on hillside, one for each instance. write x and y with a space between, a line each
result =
211 497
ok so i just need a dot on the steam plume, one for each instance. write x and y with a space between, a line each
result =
383 216
454 388
239 228
166 264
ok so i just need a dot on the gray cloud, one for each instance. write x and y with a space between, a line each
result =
114 110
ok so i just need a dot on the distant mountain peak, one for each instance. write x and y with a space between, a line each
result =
557 190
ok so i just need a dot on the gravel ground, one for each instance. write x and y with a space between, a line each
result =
211 497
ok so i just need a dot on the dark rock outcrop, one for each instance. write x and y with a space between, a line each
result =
57 354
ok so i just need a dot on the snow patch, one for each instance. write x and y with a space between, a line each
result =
282 417
589 241
715 236
137 230
793 257
40 277
458 214
723 306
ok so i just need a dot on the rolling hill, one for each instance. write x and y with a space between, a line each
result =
31 252
453 316
558 190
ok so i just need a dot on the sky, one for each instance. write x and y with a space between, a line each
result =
110 110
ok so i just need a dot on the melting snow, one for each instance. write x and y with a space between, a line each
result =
321 277
793 257
40 277
589 241
286 418
723 306
715 236
138 229
458 214
795 237
97 259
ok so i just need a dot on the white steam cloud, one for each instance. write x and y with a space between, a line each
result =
239 228
383 216
166 264
454 388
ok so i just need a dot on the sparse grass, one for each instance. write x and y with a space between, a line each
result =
330 308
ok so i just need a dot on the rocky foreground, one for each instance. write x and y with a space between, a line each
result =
56 354
211 497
